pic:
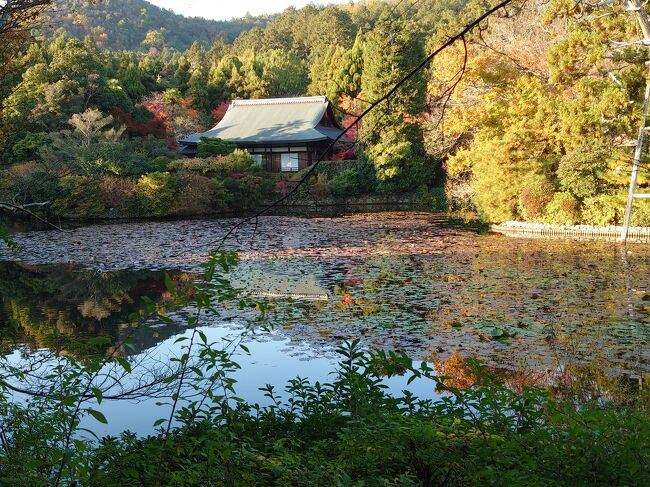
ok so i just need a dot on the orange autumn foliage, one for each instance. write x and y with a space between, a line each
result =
458 373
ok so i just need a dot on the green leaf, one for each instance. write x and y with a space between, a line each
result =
80 445
169 284
98 394
204 339
69 401
97 415
124 363
495 332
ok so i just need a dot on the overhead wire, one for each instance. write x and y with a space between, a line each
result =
425 62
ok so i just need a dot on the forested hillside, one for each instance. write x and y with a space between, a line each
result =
534 121
134 24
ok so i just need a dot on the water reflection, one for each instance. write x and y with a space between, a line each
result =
514 304
60 307
398 281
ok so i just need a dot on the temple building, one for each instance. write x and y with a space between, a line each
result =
282 134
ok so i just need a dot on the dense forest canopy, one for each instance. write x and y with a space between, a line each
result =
533 121
130 24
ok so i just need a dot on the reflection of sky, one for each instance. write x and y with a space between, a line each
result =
273 360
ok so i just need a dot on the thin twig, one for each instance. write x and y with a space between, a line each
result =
10 206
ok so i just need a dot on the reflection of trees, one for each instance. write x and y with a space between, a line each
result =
58 307
455 369
583 382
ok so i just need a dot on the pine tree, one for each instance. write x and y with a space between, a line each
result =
349 75
393 139
324 73
198 89
182 74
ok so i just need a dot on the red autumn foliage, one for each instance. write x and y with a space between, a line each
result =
219 112
348 120
344 155
156 125
347 151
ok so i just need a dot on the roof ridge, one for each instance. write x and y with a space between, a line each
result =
281 101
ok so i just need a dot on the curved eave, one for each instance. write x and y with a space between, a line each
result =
194 140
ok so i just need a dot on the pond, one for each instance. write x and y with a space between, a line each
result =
411 282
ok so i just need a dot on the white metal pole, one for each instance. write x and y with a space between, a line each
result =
635 165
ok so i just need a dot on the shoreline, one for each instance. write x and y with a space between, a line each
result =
610 233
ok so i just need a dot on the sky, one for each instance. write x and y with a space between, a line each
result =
228 9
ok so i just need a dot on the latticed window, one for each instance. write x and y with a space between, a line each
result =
289 162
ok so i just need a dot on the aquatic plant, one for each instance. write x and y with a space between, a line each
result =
346 431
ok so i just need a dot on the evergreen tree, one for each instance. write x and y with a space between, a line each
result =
131 81
198 89
349 75
182 74
285 73
393 139
324 73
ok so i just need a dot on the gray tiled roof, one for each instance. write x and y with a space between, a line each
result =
275 120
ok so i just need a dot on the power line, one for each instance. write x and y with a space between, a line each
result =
452 40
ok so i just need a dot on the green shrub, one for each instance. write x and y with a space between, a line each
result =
79 197
413 172
366 176
209 147
537 192
29 183
219 194
345 183
247 192
563 209
640 213
581 172
105 152
433 199
239 161
29 146
160 163
155 193
351 432
603 210
194 195
318 186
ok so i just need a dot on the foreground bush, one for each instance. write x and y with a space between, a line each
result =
348 431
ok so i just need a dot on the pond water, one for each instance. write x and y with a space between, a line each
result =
397 281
